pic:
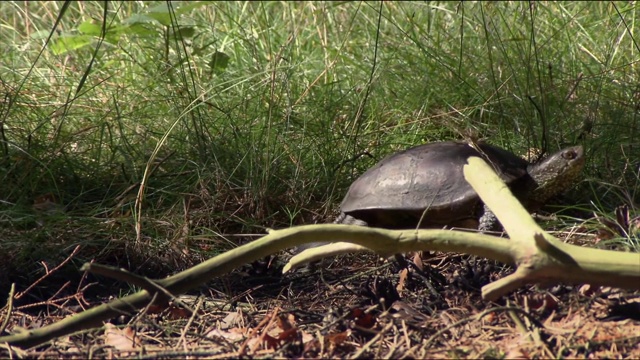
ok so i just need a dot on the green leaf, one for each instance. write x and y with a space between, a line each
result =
162 18
112 37
140 19
161 13
142 30
188 6
89 28
219 62
40 34
67 43
185 32
160 8
179 7
197 51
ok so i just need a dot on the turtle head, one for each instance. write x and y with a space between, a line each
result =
556 173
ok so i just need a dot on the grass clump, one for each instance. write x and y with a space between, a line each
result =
182 123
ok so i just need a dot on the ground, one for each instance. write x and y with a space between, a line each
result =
358 306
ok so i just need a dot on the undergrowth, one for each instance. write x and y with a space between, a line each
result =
165 129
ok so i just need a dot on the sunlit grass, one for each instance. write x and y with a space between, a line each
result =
236 116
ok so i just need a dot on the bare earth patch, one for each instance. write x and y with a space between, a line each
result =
348 307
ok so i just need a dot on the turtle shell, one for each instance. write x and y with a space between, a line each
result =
396 192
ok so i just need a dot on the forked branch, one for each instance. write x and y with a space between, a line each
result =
539 257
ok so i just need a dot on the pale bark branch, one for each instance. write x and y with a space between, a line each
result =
540 257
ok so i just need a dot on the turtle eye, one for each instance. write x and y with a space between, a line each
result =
569 155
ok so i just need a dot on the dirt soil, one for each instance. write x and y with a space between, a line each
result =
355 306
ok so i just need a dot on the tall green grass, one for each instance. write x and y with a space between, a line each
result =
235 116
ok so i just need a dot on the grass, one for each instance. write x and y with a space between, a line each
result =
153 133
262 110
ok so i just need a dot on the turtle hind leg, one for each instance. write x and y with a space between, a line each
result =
341 219
488 220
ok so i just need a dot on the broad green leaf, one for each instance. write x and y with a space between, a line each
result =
179 7
143 30
112 37
160 8
89 28
140 19
185 32
188 6
219 62
40 34
161 13
162 18
67 43
197 51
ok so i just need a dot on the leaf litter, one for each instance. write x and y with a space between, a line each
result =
357 306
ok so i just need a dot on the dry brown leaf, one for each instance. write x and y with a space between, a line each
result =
121 339
157 308
232 319
270 342
288 336
489 318
339 338
402 281
361 318
417 260
175 313
232 335
286 323
517 354
588 290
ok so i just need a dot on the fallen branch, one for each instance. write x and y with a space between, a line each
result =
539 257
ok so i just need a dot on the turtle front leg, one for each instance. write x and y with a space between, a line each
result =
349 220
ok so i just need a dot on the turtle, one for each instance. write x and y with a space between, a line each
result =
424 186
